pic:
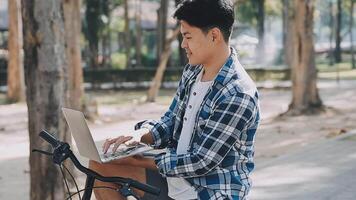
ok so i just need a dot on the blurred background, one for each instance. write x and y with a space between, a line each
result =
119 61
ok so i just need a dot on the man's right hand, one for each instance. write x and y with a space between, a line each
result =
116 142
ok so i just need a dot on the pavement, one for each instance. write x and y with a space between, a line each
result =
14 162
321 171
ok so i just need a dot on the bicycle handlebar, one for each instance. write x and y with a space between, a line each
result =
49 138
146 188
63 151
131 182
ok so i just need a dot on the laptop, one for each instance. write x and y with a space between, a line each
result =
86 145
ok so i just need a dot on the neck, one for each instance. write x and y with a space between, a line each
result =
214 64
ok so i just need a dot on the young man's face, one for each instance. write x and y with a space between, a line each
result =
198 46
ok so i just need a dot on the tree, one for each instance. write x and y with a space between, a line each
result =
45 76
304 76
162 27
15 75
127 34
260 16
353 59
286 15
253 13
157 80
93 25
337 52
105 33
72 21
163 52
331 37
138 32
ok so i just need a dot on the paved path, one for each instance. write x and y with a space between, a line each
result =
325 170
14 166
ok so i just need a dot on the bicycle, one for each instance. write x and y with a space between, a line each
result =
61 152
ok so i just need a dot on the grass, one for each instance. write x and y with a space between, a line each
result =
342 74
3 98
325 67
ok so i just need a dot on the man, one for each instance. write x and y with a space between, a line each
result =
210 126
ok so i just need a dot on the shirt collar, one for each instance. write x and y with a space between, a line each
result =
226 73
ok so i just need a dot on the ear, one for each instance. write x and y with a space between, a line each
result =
216 35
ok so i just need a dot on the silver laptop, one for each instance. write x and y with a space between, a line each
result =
85 143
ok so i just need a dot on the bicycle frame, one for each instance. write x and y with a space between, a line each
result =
62 152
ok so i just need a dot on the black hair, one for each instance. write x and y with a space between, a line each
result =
207 14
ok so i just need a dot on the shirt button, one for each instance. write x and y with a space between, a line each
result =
185 119
190 106
194 93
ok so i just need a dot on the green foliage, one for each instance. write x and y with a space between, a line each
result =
149 60
98 20
246 11
117 24
273 8
323 16
118 60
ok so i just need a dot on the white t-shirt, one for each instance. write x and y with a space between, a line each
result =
179 188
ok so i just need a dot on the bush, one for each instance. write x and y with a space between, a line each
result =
118 60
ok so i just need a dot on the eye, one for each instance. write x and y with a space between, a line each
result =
188 38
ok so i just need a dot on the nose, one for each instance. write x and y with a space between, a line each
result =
183 45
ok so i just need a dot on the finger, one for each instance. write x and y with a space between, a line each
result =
109 143
120 141
133 143
104 144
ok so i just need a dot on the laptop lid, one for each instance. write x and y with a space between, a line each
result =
81 134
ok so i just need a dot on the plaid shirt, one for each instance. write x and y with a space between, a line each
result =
220 155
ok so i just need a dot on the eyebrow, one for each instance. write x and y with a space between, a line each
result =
185 33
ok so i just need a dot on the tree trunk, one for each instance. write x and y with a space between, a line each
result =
45 75
72 23
157 80
138 33
15 70
260 15
305 98
287 40
353 59
338 52
127 35
92 14
162 27
331 37
106 34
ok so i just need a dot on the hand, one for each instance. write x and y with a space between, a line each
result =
116 141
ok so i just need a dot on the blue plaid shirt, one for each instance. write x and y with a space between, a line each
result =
220 155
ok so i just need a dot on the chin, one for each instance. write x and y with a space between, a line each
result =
193 62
